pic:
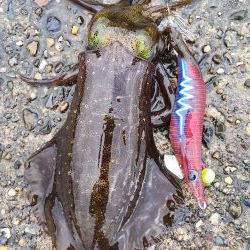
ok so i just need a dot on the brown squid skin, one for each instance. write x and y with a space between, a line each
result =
100 182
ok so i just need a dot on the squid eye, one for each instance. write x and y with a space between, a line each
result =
142 47
193 175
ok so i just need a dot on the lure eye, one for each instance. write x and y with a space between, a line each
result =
193 175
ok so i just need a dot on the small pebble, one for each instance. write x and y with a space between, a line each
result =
74 30
13 61
219 91
32 229
6 232
3 241
247 83
32 48
60 39
228 180
15 221
17 164
50 42
218 241
206 48
216 59
220 71
48 68
80 20
231 38
53 24
213 3
64 107
7 156
246 202
42 65
33 96
235 209
208 133
59 67
229 169
12 192
239 15
59 47
216 155
22 242
199 224
30 119
39 11
219 34
214 219
38 76
19 43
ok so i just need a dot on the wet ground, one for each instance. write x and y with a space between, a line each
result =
38 42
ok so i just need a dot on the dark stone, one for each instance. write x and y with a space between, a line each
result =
1 83
30 119
216 59
220 129
239 15
8 116
50 103
36 63
235 209
208 133
60 94
46 129
59 67
211 82
246 202
1 150
24 12
247 83
53 24
203 59
80 20
17 164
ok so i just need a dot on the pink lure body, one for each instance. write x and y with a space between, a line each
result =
187 124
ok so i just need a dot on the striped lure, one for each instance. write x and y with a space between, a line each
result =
186 125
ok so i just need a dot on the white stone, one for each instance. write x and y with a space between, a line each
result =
228 180
206 49
42 65
220 71
214 219
12 192
6 232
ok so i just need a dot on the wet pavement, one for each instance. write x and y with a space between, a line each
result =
44 42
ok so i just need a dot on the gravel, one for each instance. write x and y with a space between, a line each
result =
43 42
